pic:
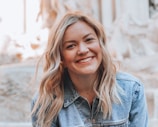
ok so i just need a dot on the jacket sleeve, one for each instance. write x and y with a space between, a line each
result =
138 116
34 116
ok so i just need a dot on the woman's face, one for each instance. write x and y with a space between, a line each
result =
81 50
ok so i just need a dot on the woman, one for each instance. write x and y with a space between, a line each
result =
80 86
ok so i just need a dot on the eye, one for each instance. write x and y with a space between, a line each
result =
70 46
89 39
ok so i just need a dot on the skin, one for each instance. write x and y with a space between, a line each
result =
82 57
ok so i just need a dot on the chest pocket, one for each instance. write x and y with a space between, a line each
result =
121 123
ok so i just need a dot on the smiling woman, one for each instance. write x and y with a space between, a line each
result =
80 86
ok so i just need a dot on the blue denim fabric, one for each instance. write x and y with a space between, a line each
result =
77 112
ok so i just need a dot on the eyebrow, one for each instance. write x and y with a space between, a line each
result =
71 41
87 35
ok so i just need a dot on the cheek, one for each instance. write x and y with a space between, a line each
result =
97 48
67 58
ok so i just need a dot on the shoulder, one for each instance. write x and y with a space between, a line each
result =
127 79
130 84
34 99
124 76
35 108
34 112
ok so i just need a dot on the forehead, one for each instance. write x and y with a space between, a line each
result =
80 27
79 24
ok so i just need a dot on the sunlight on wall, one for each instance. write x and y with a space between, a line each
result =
11 14
20 33
18 16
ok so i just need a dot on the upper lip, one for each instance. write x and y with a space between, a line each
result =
84 58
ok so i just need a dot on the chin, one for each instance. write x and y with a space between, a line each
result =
88 72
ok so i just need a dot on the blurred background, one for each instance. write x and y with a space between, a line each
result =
132 36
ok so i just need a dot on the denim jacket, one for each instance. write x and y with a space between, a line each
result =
76 111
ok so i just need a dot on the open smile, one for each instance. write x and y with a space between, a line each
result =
84 60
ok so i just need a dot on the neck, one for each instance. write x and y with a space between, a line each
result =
83 82
84 86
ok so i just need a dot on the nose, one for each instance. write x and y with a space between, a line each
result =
82 49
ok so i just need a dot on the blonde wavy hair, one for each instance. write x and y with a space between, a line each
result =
51 94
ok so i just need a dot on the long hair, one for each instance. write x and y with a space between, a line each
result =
51 93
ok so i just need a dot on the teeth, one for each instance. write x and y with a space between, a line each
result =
85 60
